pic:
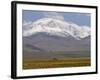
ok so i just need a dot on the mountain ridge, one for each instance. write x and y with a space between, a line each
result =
56 27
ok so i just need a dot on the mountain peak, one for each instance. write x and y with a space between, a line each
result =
56 27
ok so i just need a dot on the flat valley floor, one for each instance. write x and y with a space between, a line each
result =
39 60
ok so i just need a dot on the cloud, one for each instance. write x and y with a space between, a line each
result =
26 23
54 15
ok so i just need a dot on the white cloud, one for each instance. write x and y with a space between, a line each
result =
26 23
54 15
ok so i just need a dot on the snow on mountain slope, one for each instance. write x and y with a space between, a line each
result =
56 27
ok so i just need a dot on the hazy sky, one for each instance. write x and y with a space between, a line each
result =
77 18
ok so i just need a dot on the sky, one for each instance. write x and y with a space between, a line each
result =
81 19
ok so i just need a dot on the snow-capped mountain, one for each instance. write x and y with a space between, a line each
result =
56 27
